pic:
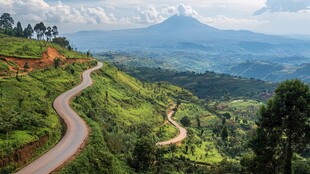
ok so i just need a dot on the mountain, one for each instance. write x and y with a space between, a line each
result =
185 43
173 30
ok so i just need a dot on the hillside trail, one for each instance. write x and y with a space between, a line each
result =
182 131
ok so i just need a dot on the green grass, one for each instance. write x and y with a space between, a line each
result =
26 112
121 110
204 145
30 48
4 66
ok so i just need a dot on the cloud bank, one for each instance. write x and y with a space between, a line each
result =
39 10
284 6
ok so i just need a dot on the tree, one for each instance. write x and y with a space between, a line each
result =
19 30
6 21
227 115
185 121
57 62
40 29
55 31
26 65
224 133
62 41
28 32
283 126
198 122
48 33
143 155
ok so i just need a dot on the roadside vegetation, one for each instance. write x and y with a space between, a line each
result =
26 113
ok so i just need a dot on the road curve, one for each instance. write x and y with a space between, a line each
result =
182 132
76 133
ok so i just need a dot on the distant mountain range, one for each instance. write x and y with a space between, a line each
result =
185 43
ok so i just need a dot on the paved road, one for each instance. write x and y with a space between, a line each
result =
182 132
76 134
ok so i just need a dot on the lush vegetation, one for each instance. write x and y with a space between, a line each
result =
283 132
20 44
121 111
29 48
208 85
127 117
26 112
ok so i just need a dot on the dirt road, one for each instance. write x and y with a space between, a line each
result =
76 134
182 132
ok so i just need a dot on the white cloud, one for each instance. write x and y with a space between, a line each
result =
147 16
284 6
39 10
184 10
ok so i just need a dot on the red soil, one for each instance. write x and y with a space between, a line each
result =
47 60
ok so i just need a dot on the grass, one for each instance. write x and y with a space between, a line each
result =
30 48
121 110
205 148
26 112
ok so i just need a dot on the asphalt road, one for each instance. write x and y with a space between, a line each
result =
76 134
182 132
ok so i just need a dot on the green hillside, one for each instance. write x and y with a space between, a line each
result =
29 48
127 117
121 111
26 113
206 85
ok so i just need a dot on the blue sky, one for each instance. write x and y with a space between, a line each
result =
266 16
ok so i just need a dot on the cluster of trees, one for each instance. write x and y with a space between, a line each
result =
7 27
283 131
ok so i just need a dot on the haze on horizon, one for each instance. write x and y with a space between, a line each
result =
283 17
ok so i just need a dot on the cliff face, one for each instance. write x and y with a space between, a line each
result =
47 60
21 156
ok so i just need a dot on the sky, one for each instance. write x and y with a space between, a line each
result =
283 17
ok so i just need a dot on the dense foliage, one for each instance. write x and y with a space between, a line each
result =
283 130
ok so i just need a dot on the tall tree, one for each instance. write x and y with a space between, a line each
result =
224 133
28 31
48 33
40 29
55 31
19 30
6 21
284 126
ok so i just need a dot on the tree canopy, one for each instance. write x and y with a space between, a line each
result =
283 128
40 29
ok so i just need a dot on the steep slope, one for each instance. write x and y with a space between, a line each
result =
124 110
20 55
76 131
29 124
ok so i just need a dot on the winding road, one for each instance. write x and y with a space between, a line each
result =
182 132
76 133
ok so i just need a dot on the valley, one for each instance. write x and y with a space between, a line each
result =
163 90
